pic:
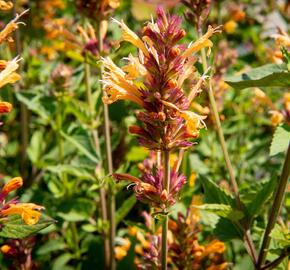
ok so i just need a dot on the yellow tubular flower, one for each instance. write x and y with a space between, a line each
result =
287 101
193 121
5 107
5 5
276 118
130 36
29 212
12 185
8 75
10 27
230 26
215 246
114 3
117 87
134 68
120 253
201 42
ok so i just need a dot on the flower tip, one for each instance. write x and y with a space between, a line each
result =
12 185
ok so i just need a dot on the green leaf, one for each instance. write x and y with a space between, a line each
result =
215 194
270 75
281 140
35 148
282 236
79 209
80 147
225 230
78 172
16 228
51 245
222 210
136 153
261 196
126 207
61 261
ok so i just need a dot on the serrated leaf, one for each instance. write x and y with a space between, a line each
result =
126 207
261 196
225 230
215 194
270 75
281 140
16 228
222 210
282 236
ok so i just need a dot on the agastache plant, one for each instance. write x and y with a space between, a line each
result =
154 80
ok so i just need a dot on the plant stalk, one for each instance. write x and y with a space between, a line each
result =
23 108
248 240
95 135
275 209
111 195
164 247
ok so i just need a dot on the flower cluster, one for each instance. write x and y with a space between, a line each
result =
97 9
154 81
198 11
29 212
185 249
8 74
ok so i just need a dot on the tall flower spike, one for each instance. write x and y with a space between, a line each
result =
154 80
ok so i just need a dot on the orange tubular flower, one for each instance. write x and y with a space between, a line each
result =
12 185
29 212
5 107
5 5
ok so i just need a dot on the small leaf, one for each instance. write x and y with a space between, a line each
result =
281 140
126 207
215 194
270 75
80 147
79 172
222 210
50 246
261 197
16 228
61 261
79 209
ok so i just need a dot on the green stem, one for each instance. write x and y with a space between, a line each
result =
248 240
164 248
23 108
95 135
112 206
59 120
275 209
